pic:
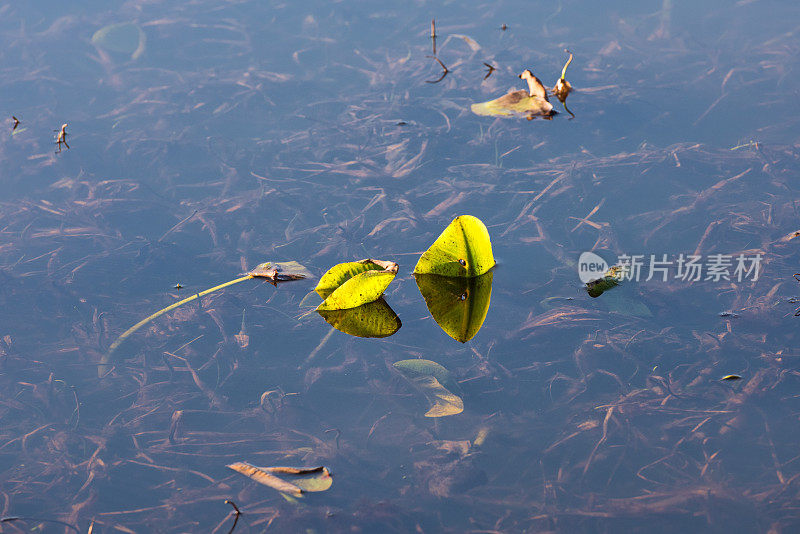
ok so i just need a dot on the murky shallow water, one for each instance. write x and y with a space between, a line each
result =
275 130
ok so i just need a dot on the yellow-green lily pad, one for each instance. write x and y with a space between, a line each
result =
125 38
339 274
373 319
463 249
360 289
458 305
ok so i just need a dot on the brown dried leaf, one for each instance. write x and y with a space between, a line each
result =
263 477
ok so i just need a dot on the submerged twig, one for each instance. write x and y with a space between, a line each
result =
444 68
797 311
62 137
236 513
182 221
433 35
8 519
564 103
746 145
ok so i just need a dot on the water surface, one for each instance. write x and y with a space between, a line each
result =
307 132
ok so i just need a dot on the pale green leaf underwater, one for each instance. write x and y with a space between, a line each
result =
125 38
436 383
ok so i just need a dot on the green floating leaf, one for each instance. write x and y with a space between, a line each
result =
126 38
622 303
436 383
464 249
458 305
514 104
612 277
373 319
339 274
360 289
596 288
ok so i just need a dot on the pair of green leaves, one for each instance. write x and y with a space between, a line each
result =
463 250
352 284
453 276
353 303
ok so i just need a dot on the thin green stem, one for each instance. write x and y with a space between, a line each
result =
127 333
564 70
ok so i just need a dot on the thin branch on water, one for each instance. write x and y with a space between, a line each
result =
444 69
236 512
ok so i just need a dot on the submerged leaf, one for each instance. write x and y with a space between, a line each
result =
458 305
242 339
443 401
360 289
629 305
463 249
471 43
339 274
436 383
320 481
421 367
373 319
126 38
263 477
303 479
